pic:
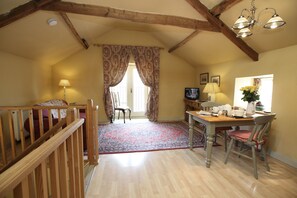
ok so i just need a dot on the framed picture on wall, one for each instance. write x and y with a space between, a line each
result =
203 78
216 79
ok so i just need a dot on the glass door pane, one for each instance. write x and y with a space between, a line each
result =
139 93
133 92
122 89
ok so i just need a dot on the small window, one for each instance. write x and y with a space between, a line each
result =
265 83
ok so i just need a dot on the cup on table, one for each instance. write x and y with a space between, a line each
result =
230 113
239 112
215 110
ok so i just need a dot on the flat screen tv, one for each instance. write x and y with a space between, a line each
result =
192 93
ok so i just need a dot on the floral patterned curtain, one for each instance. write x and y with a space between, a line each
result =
147 60
115 63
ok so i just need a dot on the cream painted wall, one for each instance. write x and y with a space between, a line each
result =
23 81
283 64
175 75
85 72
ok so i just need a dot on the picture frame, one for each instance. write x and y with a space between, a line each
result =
216 79
204 78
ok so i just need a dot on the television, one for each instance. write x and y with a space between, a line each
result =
192 93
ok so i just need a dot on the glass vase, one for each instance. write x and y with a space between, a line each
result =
251 108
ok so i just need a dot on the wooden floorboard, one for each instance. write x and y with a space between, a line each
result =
182 173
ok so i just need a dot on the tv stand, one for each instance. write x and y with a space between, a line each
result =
191 105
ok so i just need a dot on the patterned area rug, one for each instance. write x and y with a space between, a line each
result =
145 136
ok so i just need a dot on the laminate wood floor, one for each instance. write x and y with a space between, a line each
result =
182 173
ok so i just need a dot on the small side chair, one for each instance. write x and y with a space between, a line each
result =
118 107
254 139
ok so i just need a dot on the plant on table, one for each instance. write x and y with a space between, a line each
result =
250 93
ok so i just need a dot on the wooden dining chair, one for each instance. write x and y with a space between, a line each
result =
206 106
254 139
118 107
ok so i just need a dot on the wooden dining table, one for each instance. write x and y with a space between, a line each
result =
211 122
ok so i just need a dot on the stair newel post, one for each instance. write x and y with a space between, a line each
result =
92 137
72 114
96 140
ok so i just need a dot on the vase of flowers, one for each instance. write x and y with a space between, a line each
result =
250 95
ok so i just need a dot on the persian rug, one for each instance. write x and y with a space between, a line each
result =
145 136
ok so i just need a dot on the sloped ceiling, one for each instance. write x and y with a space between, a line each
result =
32 38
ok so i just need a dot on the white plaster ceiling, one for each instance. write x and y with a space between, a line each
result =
32 38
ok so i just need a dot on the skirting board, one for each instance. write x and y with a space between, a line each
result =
284 159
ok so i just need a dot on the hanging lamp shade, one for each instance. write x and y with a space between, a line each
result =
241 23
274 22
245 32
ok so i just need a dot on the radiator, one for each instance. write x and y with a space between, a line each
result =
16 127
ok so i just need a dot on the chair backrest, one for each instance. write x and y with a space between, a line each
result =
206 106
115 99
261 128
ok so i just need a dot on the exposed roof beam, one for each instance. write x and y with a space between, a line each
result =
149 18
223 6
224 29
82 41
22 11
183 42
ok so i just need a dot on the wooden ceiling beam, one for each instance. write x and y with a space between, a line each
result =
22 11
139 17
197 5
223 6
82 41
183 42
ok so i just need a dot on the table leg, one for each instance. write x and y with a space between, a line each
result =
210 131
191 131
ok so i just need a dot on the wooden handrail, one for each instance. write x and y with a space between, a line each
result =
12 177
79 106
35 144
7 129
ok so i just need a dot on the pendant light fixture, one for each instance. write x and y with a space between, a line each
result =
245 23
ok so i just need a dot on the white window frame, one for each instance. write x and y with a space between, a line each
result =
265 93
